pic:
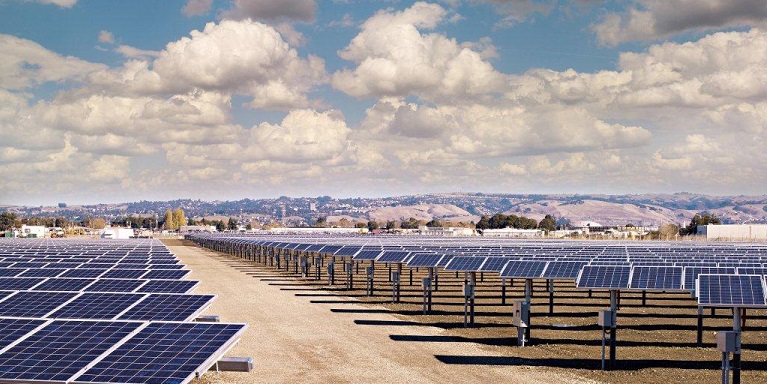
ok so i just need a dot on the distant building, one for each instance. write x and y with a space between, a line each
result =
513 232
446 232
313 207
116 233
282 230
184 229
733 232
33 231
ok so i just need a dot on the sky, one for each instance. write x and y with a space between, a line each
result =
105 101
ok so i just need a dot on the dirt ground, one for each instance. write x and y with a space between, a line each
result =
304 330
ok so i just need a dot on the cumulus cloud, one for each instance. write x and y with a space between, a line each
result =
518 11
244 57
60 3
136 53
26 64
296 10
655 19
196 7
393 58
106 37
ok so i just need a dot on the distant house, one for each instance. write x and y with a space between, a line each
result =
513 232
185 229
32 231
116 233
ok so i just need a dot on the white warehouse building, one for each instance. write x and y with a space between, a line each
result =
733 232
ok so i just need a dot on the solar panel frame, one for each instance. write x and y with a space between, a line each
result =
168 286
604 277
524 269
731 291
168 307
657 278
99 306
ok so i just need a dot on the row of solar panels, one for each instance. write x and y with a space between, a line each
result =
88 315
82 351
102 306
57 284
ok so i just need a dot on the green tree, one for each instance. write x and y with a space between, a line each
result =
322 222
410 223
372 225
8 221
483 223
360 225
232 224
702 218
548 223
434 223
220 226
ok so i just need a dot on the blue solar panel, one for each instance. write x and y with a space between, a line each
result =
424 260
563 270
465 264
494 264
159 307
604 277
168 286
168 274
13 329
691 274
393 257
42 272
524 269
124 274
61 349
100 306
751 271
64 285
33 304
161 353
19 283
83 273
731 290
367 254
114 285
11 272
657 278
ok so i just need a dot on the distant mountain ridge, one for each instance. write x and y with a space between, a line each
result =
636 209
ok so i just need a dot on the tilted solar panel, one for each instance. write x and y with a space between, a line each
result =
97 306
494 264
657 278
114 285
367 254
167 274
424 260
465 264
731 291
393 257
168 286
524 269
64 284
604 277
33 304
161 353
563 269
162 307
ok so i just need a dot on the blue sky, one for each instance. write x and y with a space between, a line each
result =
110 101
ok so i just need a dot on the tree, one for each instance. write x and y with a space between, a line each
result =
220 225
232 225
97 223
484 223
411 223
434 223
372 225
179 218
548 224
360 225
702 218
190 221
668 231
322 222
391 224
8 221
249 227
344 223
169 222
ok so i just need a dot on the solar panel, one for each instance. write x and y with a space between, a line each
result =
465 264
97 306
42 272
604 277
13 329
524 269
160 307
691 274
161 353
11 272
33 304
731 290
19 283
63 284
656 278
751 271
124 274
168 274
114 285
168 286
60 349
563 270
424 260
84 273
494 264
366 254
393 257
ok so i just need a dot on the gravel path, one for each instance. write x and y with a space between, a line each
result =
293 340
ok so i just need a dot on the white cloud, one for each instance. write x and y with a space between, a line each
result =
394 58
518 11
196 7
297 10
136 53
60 3
27 64
655 19
106 37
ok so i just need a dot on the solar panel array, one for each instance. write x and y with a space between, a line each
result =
102 311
